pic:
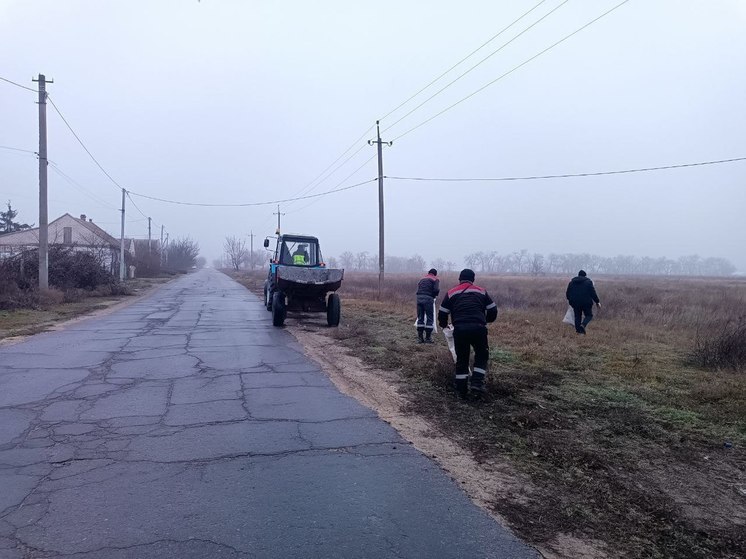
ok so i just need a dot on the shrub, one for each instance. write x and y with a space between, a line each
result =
723 347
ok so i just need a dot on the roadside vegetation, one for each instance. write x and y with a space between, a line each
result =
78 285
633 437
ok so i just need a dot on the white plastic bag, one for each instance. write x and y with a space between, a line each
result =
435 319
448 333
569 317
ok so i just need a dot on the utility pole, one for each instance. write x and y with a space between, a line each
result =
148 237
160 250
251 251
43 162
121 241
381 257
278 214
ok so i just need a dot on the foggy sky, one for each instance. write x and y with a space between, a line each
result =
234 101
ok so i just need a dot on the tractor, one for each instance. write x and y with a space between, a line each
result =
299 280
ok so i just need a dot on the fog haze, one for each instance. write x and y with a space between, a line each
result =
240 102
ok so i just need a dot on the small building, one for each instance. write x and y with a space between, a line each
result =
79 233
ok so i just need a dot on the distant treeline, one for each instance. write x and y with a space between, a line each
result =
526 263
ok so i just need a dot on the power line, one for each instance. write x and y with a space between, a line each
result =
136 206
306 189
353 154
511 71
73 182
485 59
18 149
243 205
570 175
19 85
82 144
342 181
472 53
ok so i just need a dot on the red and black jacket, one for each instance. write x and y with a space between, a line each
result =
428 288
469 306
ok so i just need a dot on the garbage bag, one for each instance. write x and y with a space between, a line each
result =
569 317
448 333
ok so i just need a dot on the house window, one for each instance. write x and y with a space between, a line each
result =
67 233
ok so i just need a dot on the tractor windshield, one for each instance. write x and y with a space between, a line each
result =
300 252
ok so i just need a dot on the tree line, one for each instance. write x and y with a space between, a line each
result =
536 264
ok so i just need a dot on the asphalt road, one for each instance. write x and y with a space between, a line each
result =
186 426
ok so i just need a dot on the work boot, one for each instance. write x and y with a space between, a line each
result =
421 335
461 385
428 337
477 384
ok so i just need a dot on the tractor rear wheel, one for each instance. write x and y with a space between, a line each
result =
333 310
279 310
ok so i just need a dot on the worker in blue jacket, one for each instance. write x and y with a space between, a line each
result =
428 289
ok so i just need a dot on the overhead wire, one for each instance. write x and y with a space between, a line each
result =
475 66
18 149
249 204
56 168
142 213
83 145
534 57
341 182
19 85
472 53
352 145
569 175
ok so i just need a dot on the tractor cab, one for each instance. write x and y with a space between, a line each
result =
298 250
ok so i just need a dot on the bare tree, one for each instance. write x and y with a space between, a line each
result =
347 259
235 250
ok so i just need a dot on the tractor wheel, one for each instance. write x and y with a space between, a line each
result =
279 311
333 310
267 297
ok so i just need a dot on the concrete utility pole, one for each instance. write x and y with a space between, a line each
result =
148 236
251 250
121 241
381 256
160 247
43 162
278 214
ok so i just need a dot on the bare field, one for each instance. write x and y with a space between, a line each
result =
626 442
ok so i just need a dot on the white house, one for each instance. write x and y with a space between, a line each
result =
79 233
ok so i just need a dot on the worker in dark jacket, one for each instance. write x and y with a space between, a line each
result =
470 309
427 290
581 295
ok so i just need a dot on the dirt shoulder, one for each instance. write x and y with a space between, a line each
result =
483 481
18 324
607 445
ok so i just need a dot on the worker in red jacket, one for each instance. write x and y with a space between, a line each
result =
470 309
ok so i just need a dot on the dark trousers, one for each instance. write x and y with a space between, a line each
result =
464 340
425 314
580 322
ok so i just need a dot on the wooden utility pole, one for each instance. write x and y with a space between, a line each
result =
121 241
43 162
251 250
278 214
381 256
148 238
160 247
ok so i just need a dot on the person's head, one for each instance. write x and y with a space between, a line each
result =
466 275
582 273
302 247
432 272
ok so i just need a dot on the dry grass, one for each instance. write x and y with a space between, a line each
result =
626 440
